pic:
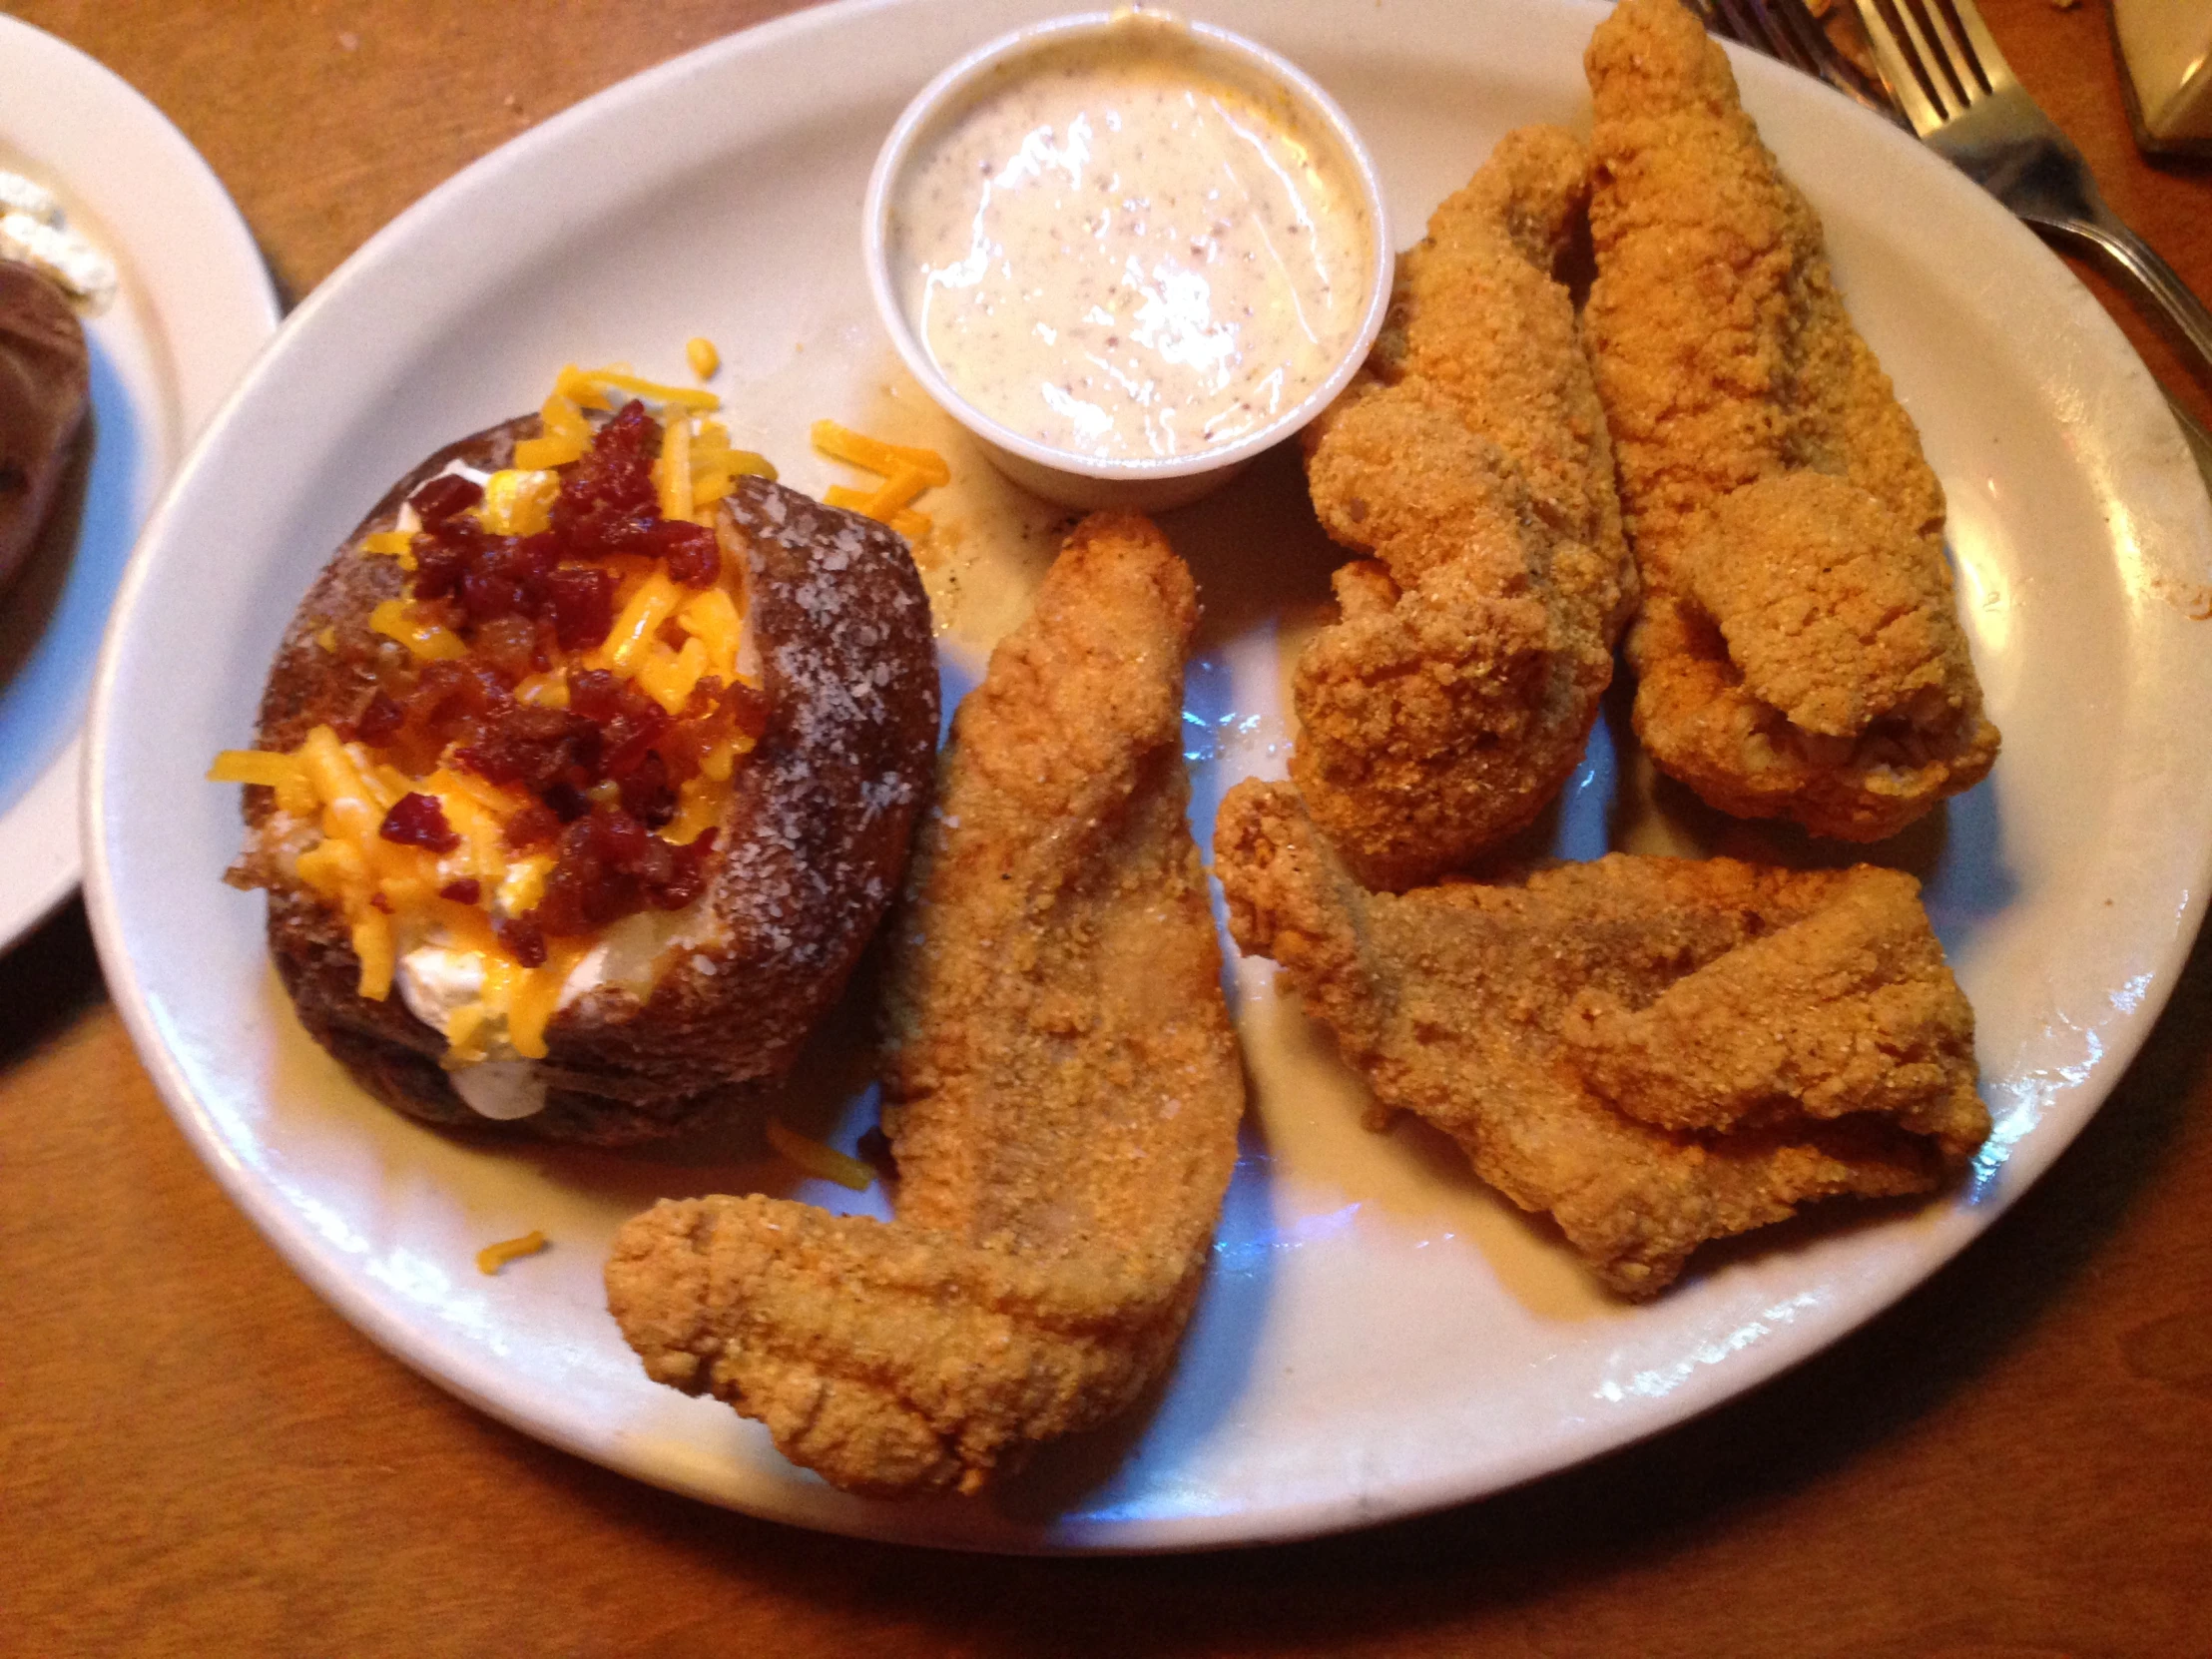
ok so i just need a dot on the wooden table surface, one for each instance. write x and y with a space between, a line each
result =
198 1457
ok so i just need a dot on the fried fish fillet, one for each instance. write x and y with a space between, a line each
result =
1799 653
1656 1051
1062 1089
1455 696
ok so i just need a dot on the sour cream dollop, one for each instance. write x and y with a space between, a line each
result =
1119 249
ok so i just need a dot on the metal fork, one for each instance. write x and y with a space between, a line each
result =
1784 28
2019 156
1959 94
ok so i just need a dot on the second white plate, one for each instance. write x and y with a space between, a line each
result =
194 306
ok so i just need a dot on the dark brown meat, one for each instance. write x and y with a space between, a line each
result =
45 381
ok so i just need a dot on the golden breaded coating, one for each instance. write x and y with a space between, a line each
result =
1454 696
1061 1071
1061 1082
891 1361
1656 1051
1848 1010
1798 654
1832 612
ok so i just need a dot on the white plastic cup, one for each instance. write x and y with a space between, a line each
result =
1066 477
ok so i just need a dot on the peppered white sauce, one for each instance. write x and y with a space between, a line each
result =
1114 253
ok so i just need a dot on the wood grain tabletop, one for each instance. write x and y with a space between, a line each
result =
200 1457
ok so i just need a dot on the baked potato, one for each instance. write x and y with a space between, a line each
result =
45 377
563 921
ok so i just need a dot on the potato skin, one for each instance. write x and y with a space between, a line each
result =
810 853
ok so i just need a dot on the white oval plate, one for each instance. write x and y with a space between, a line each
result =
1379 1335
192 307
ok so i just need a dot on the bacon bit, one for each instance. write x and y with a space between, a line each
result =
524 939
534 826
692 556
445 496
416 819
467 890
748 709
380 720
611 866
493 1257
583 603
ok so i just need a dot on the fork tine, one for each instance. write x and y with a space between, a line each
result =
1756 29
1937 70
1799 23
1784 30
1828 61
1703 11
1786 43
1916 97
1996 71
1960 68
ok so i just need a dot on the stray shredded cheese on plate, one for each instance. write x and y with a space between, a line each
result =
493 1257
816 1159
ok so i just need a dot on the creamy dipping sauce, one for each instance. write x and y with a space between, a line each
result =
1116 250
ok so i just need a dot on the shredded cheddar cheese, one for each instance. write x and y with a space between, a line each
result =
426 640
282 773
493 1257
712 619
653 391
379 883
580 388
536 994
716 466
546 691
632 636
672 473
699 808
816 1159
907 473
252 766
877 456
518 501
912 525
372 943
566 433
701 356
